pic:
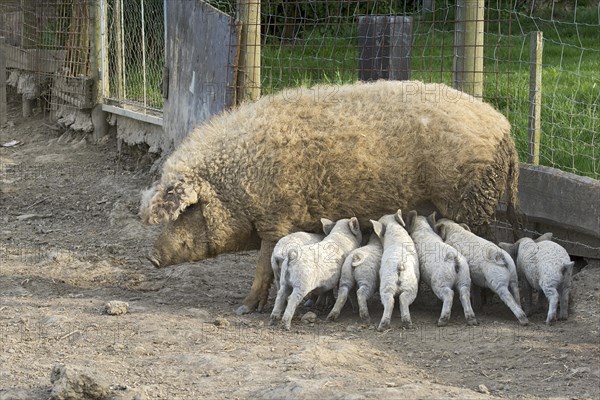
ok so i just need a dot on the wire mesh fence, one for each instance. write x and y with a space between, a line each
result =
134 53
319 41
47 49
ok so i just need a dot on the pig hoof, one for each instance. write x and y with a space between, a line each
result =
441 322
407 324
524 321
274 320
243 309
383 325
153 260
472 322
331 317
366 319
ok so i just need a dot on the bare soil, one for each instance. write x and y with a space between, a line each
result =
71 241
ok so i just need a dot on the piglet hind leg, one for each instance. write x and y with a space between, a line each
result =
292 303
282 294
465 300
387 299
447 296
339 303
507 298
259 292
564 303
362 295
552 295
405 299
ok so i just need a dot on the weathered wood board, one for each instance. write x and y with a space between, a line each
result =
201 46
384 47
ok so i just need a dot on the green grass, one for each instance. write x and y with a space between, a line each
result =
570 77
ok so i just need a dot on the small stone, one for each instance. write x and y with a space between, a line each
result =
309 318
391 384
483 389
75 383
116 307
222 322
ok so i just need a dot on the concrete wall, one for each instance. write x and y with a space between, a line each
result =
565 204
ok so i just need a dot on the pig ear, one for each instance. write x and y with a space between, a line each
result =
568 267
545 236
398 218
327 225
432 219
378 228
465 227
357 259
511 249
411 220
354 226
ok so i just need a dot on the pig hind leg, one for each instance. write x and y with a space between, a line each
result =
293 301
447 296
465 300
552 295
507 298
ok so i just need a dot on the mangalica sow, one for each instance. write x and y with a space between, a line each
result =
248 177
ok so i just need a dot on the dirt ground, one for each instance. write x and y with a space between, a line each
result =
71 241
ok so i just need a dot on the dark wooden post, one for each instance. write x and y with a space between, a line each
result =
384 46
3 116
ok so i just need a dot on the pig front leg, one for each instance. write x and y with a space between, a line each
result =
259 292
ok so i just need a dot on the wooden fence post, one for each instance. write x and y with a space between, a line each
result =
3 116
468 47
98 65
535 97
384 47
248 84
428 6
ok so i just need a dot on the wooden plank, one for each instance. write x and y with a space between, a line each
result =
535 97
151 119
12 23
35 60
385 45
79 92
3 105
201 45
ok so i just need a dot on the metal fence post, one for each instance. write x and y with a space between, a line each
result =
468 47
535 97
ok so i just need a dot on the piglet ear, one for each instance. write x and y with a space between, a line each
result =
545 236
354 226
378 228
465 227
568 267
511 249
440 229
398 218
327 225
411 220
432 219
